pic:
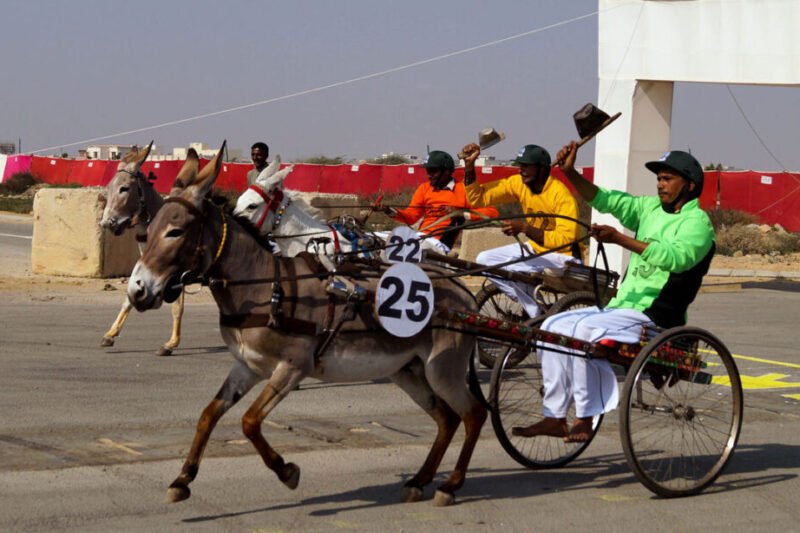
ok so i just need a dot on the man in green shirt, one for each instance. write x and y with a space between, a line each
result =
671 251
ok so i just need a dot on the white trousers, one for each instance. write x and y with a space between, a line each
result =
517 291
591 383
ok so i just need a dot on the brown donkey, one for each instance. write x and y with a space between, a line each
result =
132 202
192 238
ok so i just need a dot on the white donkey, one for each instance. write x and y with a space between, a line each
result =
132 202
285 215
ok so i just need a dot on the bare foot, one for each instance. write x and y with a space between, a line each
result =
547 427
581 430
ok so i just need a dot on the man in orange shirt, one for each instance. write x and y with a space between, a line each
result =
439 197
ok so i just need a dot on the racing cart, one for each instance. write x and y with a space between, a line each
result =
680 410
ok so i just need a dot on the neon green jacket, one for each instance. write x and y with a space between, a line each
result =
665 278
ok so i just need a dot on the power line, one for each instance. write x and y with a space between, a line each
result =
753 129
332 85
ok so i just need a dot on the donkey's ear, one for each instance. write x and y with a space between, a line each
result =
206 177
130 157
187 174
271 169
143 155
276 181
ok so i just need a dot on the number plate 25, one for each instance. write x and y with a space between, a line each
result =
404 300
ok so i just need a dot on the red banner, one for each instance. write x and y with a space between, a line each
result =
398 178
773 196
350 179
303 178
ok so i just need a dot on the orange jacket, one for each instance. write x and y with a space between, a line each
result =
427 203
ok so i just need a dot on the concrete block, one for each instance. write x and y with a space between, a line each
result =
333 205
474 241
67 238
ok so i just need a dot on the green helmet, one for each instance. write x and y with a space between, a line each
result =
684 164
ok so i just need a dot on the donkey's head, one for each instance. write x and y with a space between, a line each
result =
260 203
177 245
124 195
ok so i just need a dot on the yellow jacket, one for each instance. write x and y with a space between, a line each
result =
555 199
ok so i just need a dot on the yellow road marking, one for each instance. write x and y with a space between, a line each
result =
754 359
767 381
792 396
109 442
768 361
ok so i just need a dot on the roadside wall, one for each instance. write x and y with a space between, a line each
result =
68 240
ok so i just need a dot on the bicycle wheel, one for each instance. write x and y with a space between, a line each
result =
516 398
494 303
681 411
573 300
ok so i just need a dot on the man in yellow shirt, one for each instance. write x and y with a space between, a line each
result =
536 192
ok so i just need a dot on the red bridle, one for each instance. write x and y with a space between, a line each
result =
272 203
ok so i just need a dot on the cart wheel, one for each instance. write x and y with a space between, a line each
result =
573 300
516 400
494 303
681 411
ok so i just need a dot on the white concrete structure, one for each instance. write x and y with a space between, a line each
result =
234 154
108 151
645 46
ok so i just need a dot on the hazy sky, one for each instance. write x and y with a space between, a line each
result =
88 68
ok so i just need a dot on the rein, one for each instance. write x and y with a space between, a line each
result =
199 249
142 216
273 205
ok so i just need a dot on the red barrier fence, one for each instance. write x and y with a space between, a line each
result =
773 196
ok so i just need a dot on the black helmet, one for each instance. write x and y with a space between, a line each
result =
439 159
531 154
684 164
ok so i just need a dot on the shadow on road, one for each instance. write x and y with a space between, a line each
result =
599 472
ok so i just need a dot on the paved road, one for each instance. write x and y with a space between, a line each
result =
16 232
90 438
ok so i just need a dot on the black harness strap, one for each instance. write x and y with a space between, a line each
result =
259 320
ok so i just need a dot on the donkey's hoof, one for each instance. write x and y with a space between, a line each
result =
443 499
411 494
106 342
178 493
164 351
290 475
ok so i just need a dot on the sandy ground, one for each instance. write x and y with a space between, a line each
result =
778 263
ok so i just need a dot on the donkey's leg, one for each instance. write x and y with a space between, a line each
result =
284 379
239 381
411 379
177 314
446 373
116 327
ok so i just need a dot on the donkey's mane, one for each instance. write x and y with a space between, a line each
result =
250 229
297 199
